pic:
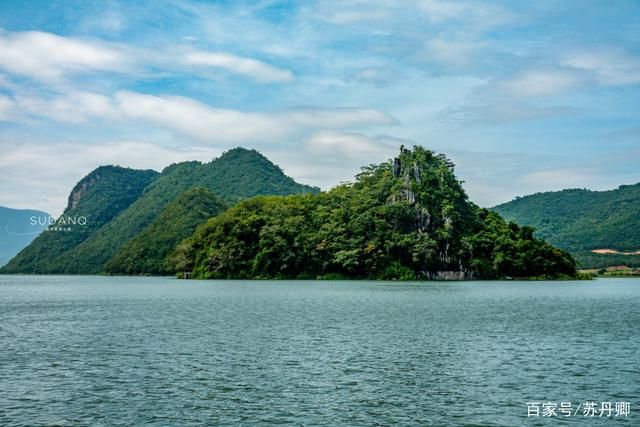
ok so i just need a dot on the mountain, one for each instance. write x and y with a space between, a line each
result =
581 221
146 253
240 173
403 219
237 174
18 228
94 201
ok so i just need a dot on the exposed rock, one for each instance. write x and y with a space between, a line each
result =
423 220
396 167
80 190
416 173
450 275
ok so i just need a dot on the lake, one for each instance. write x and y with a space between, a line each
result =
159 351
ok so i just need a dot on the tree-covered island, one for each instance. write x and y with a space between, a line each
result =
407 218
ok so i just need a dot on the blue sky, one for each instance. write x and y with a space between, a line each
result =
522 96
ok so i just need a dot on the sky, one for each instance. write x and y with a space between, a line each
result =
522 96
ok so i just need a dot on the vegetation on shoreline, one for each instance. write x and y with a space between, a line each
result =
581 221
613 271
403 219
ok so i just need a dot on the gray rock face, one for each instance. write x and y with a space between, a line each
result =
450 275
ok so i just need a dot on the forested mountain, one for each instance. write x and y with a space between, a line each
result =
237 174
98 198
403 219
146 253
18 228
581 221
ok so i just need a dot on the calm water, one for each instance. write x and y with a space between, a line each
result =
132 351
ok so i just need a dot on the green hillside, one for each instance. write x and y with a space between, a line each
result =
580 221
146 253
403 219
237 174
240 173
91 256
98 197
18 228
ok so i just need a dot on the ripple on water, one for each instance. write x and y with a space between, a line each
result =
130 351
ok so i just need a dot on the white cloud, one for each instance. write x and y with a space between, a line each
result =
351 145
328 157
72 107
190 118
527 95
542 82
436 11
378 76
348 12
6 107
610 66
257 70
497 111
497 177
452 52
40 175
352 16
558 179
477 14
203 122
195 119
111 20
48 56
335 118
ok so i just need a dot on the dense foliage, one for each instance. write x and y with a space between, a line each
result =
240 173
146 253
237 174
404 219
588 259
582 220
100 196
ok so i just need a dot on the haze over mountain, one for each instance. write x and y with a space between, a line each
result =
582 221
403 219
119 203
17 230
99 197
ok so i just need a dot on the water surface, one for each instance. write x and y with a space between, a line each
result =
158 351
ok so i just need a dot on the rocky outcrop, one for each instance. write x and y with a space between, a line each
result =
450 275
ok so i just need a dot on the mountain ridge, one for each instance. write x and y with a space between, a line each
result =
581 221
238 173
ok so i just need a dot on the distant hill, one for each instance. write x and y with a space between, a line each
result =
237 174
581 221
407 218
18 228
99 197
